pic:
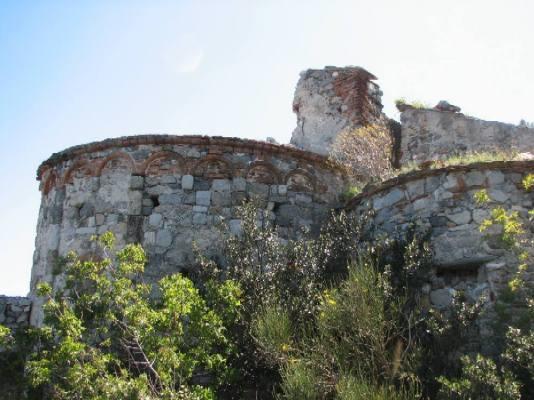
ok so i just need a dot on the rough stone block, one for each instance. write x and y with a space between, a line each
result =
441 298
239 184
235 227
155 219
498 195
220 185
238 198
137 182
474 178
388 199
200 219
168 179
150 238
90 230
170 199
164 238
304 199
198 209
187 182
221 199
203 198
495 177
282 190
461 218
100 219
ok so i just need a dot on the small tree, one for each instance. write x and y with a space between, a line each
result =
107 336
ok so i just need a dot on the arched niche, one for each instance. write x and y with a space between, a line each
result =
263 172
163 163
300 180
213 167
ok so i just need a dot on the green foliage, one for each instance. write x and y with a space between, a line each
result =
273 331
509 221
528 182
366 323
351 191
481 379
108 338
482 197
5 336
415 104
299 382
353 388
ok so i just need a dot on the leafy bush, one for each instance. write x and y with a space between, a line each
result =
105 337
366 324
365 153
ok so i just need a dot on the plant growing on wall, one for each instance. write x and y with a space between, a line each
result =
365 153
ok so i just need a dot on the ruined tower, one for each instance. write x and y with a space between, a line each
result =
330 100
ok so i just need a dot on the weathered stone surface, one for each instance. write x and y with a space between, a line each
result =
15 311
388 199
203 198
164 238
433 135
441 298
332 100
174 203
461 218
137 182
187 182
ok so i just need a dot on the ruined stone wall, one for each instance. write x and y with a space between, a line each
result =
15 311
432 135
331 100
167 192
442 201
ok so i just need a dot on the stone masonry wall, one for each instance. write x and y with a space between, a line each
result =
167 192
442 201
14 311
433 135
331 100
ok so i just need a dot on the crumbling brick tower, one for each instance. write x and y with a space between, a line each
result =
331 100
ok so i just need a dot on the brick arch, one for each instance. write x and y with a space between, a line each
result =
118 155
161 156
213 167
300 180
78 165
263 172
50 180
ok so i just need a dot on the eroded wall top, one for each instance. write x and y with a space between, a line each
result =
429 134
331 100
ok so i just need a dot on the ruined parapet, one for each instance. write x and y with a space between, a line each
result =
431 134
15 311
167 192
442 202
331 100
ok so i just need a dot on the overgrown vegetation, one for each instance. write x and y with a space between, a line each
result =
335 317
415 103
365 153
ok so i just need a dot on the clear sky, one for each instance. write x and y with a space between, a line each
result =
72 72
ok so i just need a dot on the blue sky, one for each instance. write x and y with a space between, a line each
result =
74 72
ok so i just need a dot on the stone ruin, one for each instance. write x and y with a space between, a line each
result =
167 191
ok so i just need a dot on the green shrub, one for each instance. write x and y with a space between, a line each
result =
353 388
481 379
299 382
105 337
